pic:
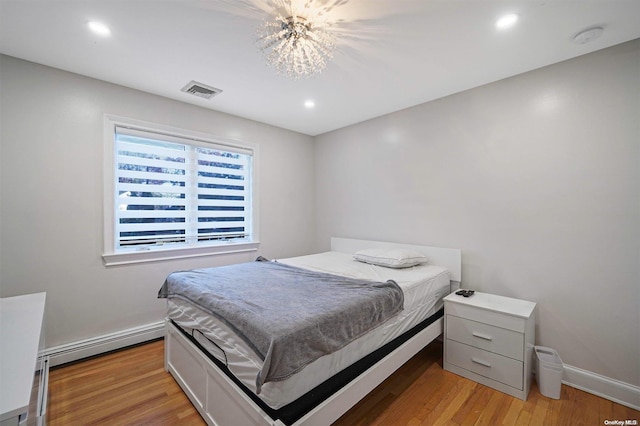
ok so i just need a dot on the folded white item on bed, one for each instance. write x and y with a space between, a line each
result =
424 286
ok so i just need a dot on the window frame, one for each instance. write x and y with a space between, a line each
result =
111 255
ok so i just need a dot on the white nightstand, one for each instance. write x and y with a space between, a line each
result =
489 339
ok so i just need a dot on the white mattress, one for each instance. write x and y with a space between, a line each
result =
424 286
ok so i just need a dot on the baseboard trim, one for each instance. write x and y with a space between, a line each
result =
75 351
605 387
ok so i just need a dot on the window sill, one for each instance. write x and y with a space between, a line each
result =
159 254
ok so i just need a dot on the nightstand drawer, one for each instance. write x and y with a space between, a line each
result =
484 336
484 363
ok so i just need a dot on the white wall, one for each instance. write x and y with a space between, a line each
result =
536 178
51 134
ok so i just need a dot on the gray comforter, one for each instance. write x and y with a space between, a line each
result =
289 316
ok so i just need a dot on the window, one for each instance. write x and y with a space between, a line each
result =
174 195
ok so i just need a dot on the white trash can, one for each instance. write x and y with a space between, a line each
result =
548 371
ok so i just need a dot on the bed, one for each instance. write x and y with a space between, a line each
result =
221 373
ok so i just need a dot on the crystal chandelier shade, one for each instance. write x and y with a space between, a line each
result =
296 46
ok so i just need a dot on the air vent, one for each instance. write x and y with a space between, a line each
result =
201 90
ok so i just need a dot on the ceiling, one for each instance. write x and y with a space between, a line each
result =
391 54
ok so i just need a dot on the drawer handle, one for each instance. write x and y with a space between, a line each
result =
482 336
481 362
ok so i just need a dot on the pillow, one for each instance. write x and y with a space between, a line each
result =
390 258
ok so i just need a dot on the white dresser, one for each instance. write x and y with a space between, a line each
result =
490 339
23 372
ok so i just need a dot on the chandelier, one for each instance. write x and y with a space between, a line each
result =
295 45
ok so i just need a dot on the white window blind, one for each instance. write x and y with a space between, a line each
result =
174 191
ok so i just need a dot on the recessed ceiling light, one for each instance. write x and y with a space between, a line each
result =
309 104
99 28
506 21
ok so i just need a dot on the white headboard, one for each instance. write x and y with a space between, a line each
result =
444 257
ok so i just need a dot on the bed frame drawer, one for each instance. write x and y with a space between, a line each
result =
485 336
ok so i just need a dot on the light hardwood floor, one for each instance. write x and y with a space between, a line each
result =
130 387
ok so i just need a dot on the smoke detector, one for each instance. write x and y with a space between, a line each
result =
588 35
201 90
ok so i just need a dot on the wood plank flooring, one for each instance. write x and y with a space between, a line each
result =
130 387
